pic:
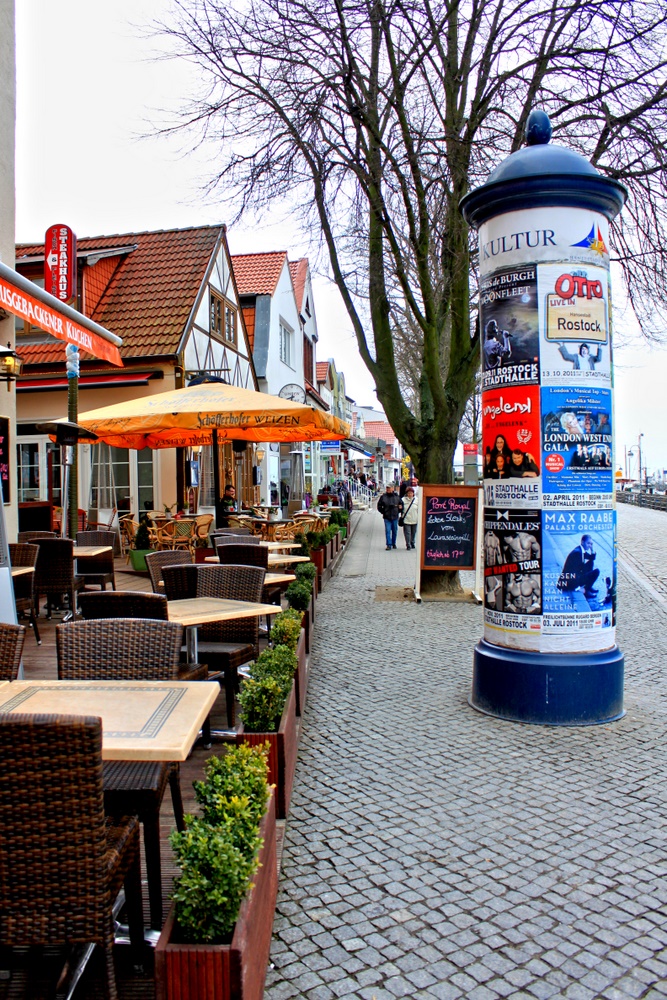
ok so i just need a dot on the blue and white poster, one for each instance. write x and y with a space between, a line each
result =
577 466
578 580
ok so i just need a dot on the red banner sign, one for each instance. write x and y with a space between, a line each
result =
20 303
60 262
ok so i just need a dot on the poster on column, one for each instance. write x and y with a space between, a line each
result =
509 319
511 440
579 580
576 447
574 311
512 577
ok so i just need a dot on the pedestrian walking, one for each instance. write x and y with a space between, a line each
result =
390 506
409 517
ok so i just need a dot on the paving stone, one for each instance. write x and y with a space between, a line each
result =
526 862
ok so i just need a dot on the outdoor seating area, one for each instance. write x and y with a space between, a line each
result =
159 659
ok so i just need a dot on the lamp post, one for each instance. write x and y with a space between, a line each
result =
639 447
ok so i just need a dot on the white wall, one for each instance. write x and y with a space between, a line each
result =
283 305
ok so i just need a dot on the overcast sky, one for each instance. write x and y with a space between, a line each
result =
87 88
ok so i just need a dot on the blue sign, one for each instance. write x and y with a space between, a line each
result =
330 446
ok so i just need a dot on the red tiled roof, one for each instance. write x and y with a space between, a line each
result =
379 429
299 271
321 371
150 294
258 273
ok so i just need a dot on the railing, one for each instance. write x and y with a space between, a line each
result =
654 501
359 491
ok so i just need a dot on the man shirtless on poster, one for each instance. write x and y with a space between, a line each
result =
492 554
523 594
521 547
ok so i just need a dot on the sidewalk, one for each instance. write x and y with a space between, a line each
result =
435 852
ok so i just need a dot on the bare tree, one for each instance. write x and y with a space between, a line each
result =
375 117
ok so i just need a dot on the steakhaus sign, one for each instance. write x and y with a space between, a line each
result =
19 302
60 262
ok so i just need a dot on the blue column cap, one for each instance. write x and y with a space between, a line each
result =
540 176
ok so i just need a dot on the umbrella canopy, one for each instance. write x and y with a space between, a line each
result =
185 417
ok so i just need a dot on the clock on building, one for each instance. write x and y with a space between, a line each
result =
294 392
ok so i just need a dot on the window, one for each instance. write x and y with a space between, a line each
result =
308 366
286 343
222 319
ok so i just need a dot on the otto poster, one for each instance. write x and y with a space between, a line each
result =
508 312
575 324
579 580
511 440
577 446
512 577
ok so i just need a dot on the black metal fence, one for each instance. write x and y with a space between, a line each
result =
655 501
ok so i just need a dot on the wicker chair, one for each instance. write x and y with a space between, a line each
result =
225 646
234 538
156 560
97 569
54 572
63 872
119 650
12 638
202 528
34 536
128 529
248 554
25 554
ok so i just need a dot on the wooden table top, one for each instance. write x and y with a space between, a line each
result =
276 559
190 611
141 720
22 570
91 550
276 546
269 578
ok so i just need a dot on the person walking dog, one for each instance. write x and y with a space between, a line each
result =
390 506
409 517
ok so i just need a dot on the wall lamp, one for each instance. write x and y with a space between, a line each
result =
10 365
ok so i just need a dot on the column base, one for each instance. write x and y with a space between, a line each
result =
548 689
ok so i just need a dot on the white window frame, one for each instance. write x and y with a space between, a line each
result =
286 343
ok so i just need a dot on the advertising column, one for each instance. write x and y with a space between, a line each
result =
548 653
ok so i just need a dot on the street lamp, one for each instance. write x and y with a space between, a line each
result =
639 446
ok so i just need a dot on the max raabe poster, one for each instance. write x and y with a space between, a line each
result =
575 324
576 446
512 577
512 446
579 580
508 314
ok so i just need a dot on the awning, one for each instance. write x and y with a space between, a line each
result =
354 453
24 298
106 381
360 448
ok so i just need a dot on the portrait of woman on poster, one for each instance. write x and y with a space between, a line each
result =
500 447
501 468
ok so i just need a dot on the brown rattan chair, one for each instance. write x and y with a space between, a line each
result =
128 528
62 862
97 569
156 560
202 527
119 650
34 536
25 554
54 572
248 554
12 638
234 538
225 646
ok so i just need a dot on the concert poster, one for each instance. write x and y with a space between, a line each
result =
510 328
577 446
575 323
512 544
579 580
511 443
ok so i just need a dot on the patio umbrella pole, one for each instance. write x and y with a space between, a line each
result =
216 479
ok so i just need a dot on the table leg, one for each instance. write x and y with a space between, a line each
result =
191 644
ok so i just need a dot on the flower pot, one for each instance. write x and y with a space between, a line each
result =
301 675
317 558
138 559
283 748
202 553
234 971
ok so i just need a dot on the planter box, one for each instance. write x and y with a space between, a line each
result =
283 748
301 675
202 553
233 971
309 622
317 558
138 559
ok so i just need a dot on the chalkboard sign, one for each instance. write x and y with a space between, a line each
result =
448 526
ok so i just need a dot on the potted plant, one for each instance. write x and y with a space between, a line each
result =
274 513
290 628
317 550
268 715
216 939
307 573
140 546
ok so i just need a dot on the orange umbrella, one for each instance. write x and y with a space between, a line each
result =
186 417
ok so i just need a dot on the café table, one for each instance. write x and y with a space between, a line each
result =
193 611
81 551
141 720
22 570
280 559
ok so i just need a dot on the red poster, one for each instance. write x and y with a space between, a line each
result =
511 432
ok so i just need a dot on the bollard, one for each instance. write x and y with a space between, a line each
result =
549 654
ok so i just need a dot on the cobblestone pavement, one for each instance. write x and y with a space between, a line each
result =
435 852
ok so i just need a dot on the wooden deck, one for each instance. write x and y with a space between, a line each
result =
35 978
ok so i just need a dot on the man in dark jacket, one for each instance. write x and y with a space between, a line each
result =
390 506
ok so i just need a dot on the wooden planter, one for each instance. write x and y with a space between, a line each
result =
301 675
202 553
233 971
282 753
317 558
308 621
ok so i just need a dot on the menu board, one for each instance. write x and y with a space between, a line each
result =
448 528
4 458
